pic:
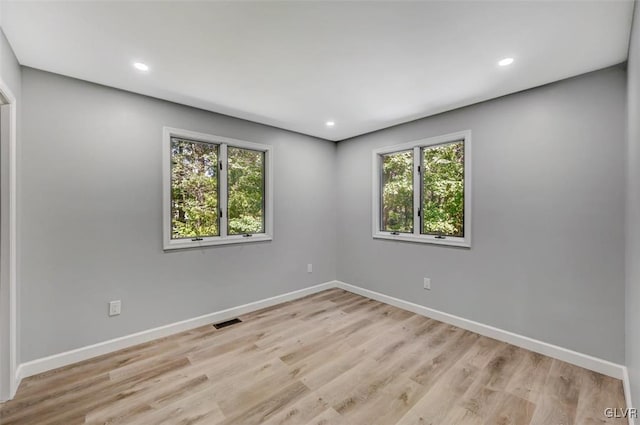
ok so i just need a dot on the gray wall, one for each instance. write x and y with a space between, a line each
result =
633 212
11 76
548 246
547 256
91 217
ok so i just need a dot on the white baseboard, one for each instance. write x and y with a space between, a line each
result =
588 362
583 360
55 361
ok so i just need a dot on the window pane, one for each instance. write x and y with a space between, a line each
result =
245 179
397 192
194 189
443 190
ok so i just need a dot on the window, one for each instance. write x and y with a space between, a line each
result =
216 190
397 192
245 183
422 191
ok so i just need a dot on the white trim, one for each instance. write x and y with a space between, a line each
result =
417 195
415 146
13 251
406 237
188 243
605 367
223 239
626 385
55 361
583 360
223 192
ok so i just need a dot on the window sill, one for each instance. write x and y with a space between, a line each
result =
428 239
188 243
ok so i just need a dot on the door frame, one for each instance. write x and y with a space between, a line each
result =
8 343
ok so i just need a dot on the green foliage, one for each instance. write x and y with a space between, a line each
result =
246 191
397 192
443 190
194 189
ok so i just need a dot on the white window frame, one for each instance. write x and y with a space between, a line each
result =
416 146
223 142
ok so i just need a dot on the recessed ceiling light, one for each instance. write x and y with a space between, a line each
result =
141 66
505 62
330 123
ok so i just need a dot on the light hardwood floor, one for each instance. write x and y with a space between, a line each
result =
330 358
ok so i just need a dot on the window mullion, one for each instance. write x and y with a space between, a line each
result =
222 190
380 165
417 192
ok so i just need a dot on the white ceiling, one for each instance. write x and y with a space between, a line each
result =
296 65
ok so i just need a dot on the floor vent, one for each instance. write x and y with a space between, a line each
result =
227 323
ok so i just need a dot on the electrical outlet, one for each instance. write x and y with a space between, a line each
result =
114 308
427 283
309 268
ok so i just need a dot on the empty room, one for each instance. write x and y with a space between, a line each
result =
319 212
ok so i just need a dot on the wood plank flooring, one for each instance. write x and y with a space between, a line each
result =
330 358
